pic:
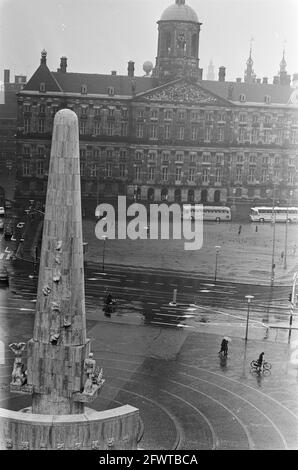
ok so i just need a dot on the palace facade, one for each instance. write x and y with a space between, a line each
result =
169 135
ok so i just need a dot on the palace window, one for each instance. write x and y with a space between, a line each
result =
192 157
40 168
168 114
139 155
94 170
239 173
241 134
181 115
96 128
264 175
191 175
122 170
218 175
209 116
252 158
26 168
265 160
154 114
153 131
294 136
42 108
110 152
221 134
242 117
178 174
255 118
27 151
123 154
152 156
140 113
180 133
137 172
164 172
109 170
41 123
179 157
165 156
27 125
205 175
251 174
167 131
267 136
123 129
82 127
111 127
82 153
208 134
254 136
221 117
140 130
194 133
279 136
206 157
151 173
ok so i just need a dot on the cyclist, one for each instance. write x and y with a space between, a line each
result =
260 362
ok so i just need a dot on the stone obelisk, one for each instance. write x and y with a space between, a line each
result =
62 375
58 348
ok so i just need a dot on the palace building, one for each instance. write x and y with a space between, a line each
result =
169 135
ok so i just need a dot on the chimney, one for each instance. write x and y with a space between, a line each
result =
63 64
113 72
230 91
222 74
238 80
131 68
258 80
43 60
276 80
265 80
6 76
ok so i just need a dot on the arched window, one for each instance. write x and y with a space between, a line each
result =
177 195
204 195
217 195
167 43
164 194
191 196
150 194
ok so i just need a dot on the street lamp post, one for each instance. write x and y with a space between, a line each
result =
293 303
286 234
249 298
273 239
217 248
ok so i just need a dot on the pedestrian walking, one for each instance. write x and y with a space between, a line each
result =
224 347
260 361
239 229
256 228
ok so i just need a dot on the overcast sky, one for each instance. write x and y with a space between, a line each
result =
99 36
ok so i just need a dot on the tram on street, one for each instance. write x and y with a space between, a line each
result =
269 214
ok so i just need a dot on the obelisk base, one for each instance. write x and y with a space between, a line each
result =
115 429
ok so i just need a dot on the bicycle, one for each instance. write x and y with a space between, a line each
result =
265 368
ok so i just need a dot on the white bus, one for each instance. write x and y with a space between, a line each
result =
213 213
280 214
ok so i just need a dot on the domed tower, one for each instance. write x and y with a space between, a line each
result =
178 43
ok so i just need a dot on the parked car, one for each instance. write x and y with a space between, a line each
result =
1 224
2 211
4 278
20 224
